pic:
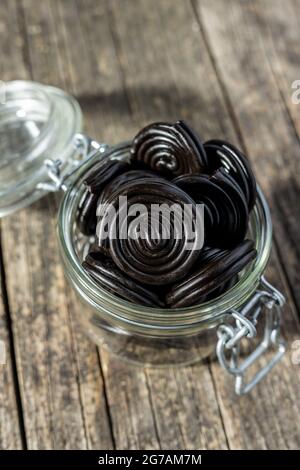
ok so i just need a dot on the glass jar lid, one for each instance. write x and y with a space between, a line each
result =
37 123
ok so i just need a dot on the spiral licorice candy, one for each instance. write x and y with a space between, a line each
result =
225 209
168 149
155 259
104 271
223 266
222 154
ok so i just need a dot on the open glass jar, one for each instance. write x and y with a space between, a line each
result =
31 124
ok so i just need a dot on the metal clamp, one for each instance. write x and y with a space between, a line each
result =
86 149
266 299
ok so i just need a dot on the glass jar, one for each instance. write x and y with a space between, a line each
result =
37 124
162 337
141 335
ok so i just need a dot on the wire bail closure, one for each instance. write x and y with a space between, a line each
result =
86 149
230 334
267 299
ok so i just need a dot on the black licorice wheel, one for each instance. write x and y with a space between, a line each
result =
168 149
154 257
106 273
220 290
232 189
225 209
194 140
222 266
112 187
222 154
215 174
224 287
102 173
209 254
95 180
219 210
86 215
124 178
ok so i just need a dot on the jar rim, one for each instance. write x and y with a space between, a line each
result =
119 309
41 120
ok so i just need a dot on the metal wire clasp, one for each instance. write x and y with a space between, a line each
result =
86 148
266 299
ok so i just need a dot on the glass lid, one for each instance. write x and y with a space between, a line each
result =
37 123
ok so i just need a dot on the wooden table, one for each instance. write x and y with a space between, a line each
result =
225 66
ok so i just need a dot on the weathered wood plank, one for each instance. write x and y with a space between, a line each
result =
96 110
166 70
269 137
61 381
11 48
54 406
42 335
267 418
92 388
111 111
280 36
152 88
177 44
130 405
12 43
10 432
187 413
122 84
70 46
253 94
259 420
280 39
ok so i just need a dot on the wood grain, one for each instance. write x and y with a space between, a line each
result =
143 430
48 374
265 419
283 57
12 43
11 426
129 63
64 404
237 51
185 407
